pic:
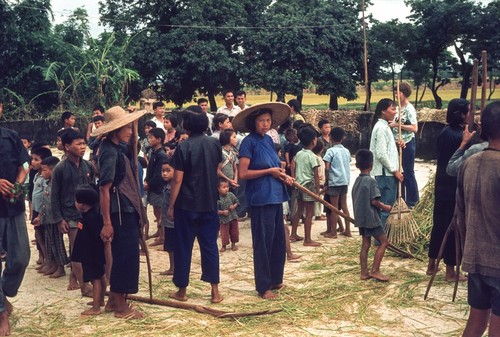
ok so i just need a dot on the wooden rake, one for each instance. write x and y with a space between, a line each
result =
401 227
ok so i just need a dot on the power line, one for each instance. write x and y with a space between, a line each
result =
68 12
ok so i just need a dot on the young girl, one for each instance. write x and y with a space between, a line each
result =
228 219
220 123
167 173
170 124
228 169
89 248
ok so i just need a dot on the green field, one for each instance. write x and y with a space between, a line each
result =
311 100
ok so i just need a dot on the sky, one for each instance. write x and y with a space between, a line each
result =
382 10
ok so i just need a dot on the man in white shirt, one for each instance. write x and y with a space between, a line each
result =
229 109
241 99
203 104
159 111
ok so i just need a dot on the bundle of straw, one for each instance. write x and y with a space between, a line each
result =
401 227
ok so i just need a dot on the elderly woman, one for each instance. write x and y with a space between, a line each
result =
265 192
121 209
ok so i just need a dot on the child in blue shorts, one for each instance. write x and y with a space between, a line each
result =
367 206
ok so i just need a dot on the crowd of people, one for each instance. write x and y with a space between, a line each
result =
204 173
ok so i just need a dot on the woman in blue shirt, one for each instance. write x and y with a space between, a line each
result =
265 192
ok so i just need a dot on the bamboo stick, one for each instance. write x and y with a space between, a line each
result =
198 308
365 52
472 110
484 59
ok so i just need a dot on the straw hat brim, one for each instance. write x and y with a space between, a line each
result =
280 113
115 118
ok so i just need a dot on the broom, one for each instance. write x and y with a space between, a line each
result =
401 227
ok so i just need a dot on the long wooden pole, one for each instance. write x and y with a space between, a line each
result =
472 110
367 85
484 81
334 209
198 308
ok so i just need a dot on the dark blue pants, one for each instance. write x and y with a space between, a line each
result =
409 190
388 186
124 278
16 243
203 226
269 247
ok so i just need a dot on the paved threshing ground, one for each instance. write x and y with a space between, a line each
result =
323 297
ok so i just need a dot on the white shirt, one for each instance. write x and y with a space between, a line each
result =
230 112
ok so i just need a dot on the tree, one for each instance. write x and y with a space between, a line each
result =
338 49
438 25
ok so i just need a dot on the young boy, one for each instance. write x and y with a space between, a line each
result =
153 183
68 120
337 168
38 154
306 173
67 175
54 243
94 142
98 110
367 206
290 147
145 147
167 173
228 219
89 248
325 129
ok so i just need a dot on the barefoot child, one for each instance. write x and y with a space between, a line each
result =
367 206
228 219
228 169
337 159
153 183
37 155
89 248
307 174
167 173
57 257
66 176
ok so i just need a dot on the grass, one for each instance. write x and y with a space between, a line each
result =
320 102
323 297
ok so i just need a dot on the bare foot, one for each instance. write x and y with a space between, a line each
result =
109 307
216 297
92 303
320 218
233 247
129 314
4 324
58 273
365 277
91 312
51 270
178 296
268 295
331 235
312 243
348 234
325 232
296 238
278 286
155 235
87 290
40 260
222 249
9 308
167 272
156 242
379 276
73 283
293 258
452 278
